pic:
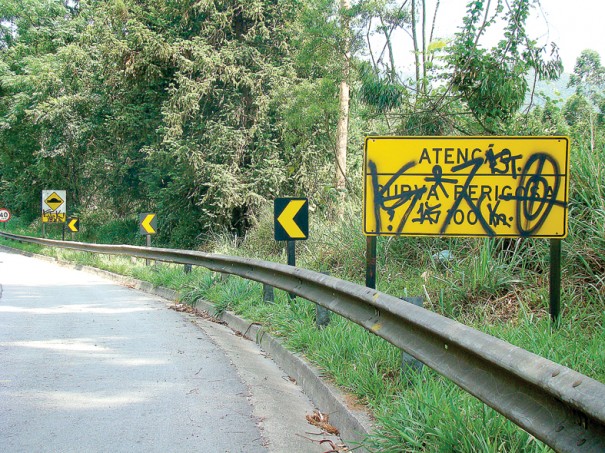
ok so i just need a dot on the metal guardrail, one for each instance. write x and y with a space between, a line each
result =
556 404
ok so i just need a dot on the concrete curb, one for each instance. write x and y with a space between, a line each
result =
354 424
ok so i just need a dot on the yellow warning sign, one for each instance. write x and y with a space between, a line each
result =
291 219
54 208
54 201
148 223
73 224
466 186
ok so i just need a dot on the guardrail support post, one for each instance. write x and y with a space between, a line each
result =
187 268
322 314
407 361
268 294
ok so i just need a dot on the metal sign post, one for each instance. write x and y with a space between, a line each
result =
291 253
291 246
371 245
555 281
148 244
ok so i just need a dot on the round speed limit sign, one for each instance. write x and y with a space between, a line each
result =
5 215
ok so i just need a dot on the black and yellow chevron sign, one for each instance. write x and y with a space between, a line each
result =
291 219
73 224
148 223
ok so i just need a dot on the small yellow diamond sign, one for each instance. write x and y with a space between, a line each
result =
54 201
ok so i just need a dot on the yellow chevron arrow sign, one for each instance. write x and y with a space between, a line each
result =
147 223
286 219
291 219
73 224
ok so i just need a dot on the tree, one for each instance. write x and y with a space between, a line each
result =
31 33
461 86
586 106
493 83
589 75
139 105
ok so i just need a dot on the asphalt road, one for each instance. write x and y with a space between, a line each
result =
87 365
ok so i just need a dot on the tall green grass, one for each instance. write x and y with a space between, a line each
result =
497 286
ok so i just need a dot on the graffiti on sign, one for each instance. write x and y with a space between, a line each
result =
49 216
466 186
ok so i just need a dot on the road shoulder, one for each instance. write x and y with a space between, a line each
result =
267 393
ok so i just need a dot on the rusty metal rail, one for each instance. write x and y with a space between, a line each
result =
556 404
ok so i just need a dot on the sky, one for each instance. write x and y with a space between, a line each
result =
573 25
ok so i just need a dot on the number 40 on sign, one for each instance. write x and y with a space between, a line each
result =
5 215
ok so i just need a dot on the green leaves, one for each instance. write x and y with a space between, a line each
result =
381 93
129 104
493 82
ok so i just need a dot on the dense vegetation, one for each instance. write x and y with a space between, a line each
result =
205 111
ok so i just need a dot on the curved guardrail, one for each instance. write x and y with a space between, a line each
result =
561 407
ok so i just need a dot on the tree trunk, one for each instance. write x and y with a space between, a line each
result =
342 131
342 137
591 132
416 49
424 44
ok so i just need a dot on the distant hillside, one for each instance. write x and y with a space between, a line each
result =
555 90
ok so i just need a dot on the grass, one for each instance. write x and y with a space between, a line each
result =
497 286
434 416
